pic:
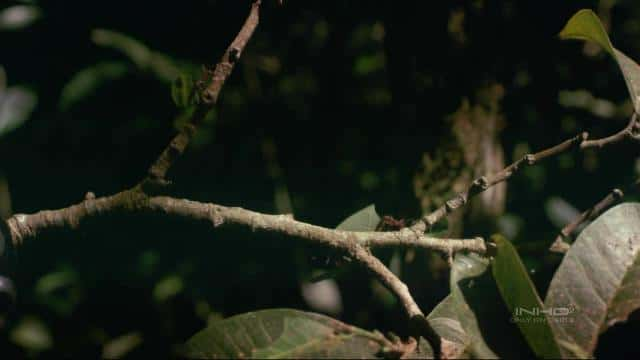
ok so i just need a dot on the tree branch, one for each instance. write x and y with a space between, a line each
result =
137 200
209 96
629 132
134 201
485 182
560 245
387 278
355 244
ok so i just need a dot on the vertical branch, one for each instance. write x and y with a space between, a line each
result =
209 96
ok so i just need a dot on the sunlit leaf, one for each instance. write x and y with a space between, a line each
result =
444 321
364 220
182 91
596 285
585 25
284 333
522 299
486 330
463 269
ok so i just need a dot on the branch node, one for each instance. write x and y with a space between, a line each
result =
216 219
559 245
481 183
617 193
450 205
530 159
154 185
234 54
450 256
584 136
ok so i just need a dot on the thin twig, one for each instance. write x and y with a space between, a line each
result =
628 132
485 182
158 170
560 245
387 278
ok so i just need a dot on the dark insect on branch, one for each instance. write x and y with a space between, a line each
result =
389 223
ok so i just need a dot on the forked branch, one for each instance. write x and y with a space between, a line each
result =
209 95
631 131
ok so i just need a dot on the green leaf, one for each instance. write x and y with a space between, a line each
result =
59 290
364 220
444 321
283 333
475 303
464 268
596 285
182 90
32 334
167 288
87 81
585 25
521 297
160 65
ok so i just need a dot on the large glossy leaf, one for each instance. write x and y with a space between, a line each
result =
475 302
522 299
366 219
598 281
467 267
286 333
444 320
585 25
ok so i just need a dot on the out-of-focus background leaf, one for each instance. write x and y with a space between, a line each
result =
351 94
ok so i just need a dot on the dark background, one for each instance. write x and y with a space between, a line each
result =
349 94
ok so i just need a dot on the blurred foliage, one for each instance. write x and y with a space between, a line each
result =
350 94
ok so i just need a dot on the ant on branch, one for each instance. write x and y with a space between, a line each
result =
389 223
